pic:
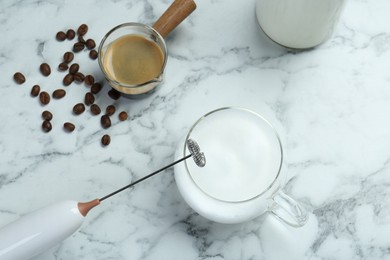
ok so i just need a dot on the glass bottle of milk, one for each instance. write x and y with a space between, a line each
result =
298 24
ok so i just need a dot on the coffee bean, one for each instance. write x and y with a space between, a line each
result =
82 30
68 57
35 90
69 127
114 94
74 68
46 126
60 36
44 97
89 80
63 66
123 116
81 39
89 99
93 54
78 108
45 69
96 87
19 78
106 139
79 77
95 109
78 46
110 110
90 44
59 93
105 121
68 79
47 115
70 34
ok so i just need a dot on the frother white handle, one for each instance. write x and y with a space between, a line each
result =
40 230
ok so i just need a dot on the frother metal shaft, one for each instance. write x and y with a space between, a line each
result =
144 178
195 152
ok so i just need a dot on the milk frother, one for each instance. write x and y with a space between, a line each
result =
38 231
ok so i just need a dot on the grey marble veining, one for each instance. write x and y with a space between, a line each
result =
330 106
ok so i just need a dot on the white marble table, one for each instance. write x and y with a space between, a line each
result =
331 106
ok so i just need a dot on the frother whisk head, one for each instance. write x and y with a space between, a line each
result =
197 155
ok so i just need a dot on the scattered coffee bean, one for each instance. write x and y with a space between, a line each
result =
81 39
110 110
89 99
46 126
60 36
90 44
35 90
47 115
74 68
96 87
69 127
82 30
63 66
74 75
70 34
79 77
19 78
78 108
93 54
68 79
105 121
45 69
44 97
95 109
114 94
78 46
59 93
123 116
89 80
68 57
106 139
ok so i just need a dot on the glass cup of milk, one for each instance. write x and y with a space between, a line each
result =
243 176
298 24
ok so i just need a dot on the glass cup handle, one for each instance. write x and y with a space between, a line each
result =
287 209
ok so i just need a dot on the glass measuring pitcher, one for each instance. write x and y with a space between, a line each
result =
136 29
243 175
132 56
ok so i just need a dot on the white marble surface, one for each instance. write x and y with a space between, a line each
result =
331 106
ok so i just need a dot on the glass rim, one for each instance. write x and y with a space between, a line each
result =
202 118
153 32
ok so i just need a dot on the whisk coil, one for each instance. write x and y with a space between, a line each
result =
197 155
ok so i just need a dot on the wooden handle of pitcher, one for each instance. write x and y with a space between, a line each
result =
173 16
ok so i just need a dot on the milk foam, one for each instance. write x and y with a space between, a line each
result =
243 155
